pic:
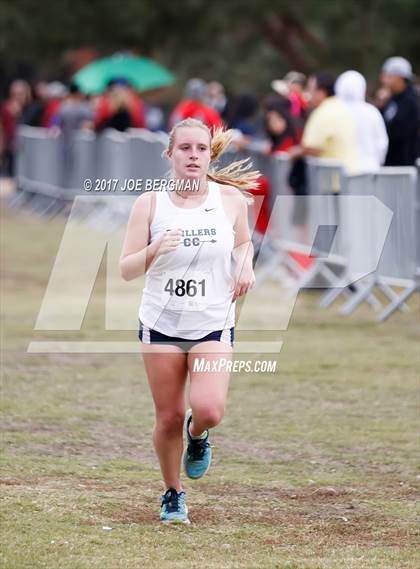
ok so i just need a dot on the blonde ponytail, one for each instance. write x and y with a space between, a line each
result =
237 174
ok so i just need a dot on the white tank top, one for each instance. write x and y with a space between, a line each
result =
188 292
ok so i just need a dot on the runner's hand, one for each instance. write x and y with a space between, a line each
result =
169 241
244 280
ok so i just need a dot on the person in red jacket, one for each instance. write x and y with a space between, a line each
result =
10 116
119 107
193 106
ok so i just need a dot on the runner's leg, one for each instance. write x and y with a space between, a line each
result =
208 389
166 373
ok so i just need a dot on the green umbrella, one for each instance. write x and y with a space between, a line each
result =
143 73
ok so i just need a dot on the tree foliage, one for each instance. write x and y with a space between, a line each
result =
245 42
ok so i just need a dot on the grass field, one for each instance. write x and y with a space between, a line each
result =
314 466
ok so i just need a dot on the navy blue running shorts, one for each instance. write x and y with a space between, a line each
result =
150 336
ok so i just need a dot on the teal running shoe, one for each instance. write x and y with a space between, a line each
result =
197 455
173 508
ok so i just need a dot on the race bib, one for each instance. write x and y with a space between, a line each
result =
192 291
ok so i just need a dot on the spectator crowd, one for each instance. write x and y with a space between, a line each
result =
320 115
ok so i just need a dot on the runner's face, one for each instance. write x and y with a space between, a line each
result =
191 152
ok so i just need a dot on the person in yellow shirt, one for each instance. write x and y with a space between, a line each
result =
330 130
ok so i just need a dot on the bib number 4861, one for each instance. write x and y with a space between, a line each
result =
191 287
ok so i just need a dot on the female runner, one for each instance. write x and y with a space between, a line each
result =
193 243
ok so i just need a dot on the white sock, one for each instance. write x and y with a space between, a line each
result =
198 437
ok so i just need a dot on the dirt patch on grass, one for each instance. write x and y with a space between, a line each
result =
318 517
309 494
297 527
321 517
336 515
143 514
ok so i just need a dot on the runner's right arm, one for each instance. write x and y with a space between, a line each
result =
137 253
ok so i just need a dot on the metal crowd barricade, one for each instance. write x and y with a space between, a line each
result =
332 244
79 165
408 244
274 259
39 160
39 169
112 168
113 157
358 242
80 162
51 172
324 178
127 160
146 155
395 188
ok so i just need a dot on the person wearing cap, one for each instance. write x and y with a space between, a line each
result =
56 93
298 104
401 113
291 87
194 107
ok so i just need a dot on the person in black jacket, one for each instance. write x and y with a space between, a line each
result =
401 113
